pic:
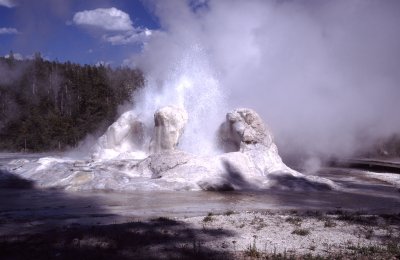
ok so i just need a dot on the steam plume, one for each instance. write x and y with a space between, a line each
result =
324 74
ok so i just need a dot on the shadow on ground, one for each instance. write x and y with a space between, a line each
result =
53 224
26 209
153 239
12 181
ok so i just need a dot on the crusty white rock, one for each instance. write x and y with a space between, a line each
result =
169 126
243 129
125 137
251 163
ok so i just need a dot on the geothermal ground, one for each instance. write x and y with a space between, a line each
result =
360 220
168 203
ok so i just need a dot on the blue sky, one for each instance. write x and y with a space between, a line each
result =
87 31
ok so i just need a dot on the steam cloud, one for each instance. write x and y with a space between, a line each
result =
323 74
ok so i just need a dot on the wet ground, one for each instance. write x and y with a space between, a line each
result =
27 209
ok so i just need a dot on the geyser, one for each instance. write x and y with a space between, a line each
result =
253 162
315 71
175 138
188 84
187 81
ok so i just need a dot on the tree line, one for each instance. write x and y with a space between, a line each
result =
49 105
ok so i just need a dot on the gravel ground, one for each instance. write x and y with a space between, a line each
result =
296 233
232 235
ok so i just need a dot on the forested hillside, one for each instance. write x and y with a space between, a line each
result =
48 105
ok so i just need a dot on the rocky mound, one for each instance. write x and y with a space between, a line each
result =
250 160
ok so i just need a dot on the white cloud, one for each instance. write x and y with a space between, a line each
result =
8 31
8 3
136 36
109 19
118 24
